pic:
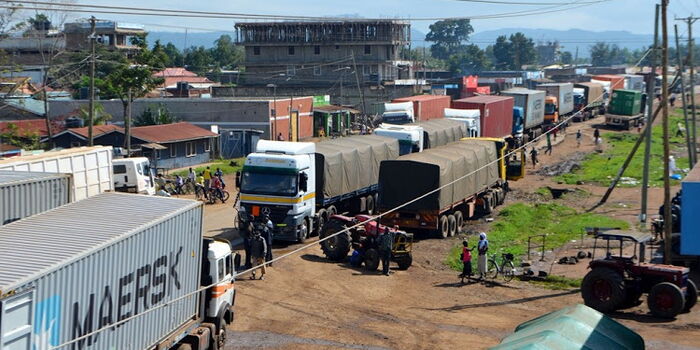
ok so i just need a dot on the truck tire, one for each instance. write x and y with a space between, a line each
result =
453 224
459 217
487 208
337 247
321 218
332 210
603 289
691 296
369 204
371 259
626 125
443 227
666 300
303 234
404 261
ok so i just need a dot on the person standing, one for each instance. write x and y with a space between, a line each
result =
268 237
386 244
482 248
258 249
549 145
579 136
466 260
207 177
247 235
192 176
596 136
533 156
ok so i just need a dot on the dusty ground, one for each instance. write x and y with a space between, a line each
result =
307 302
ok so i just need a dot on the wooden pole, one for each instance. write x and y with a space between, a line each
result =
668 220
91 115
651 87
683 93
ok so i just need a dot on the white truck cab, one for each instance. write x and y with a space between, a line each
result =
398 113
410 136
470 117
133 175
279 180
221 271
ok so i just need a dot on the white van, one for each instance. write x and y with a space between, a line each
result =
133 175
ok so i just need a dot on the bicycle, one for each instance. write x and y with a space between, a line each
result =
506 269
223 196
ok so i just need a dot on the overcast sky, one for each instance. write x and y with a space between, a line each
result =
635 16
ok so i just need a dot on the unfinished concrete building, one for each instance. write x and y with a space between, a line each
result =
321 53
111 34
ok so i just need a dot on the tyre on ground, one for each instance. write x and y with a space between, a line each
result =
508 271
337 247
603 289
371 259
303 233
321 217
666 300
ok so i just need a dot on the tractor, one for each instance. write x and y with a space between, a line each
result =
363 240
617 281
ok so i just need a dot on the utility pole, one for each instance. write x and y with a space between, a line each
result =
91 113
576 58
651 88
683 93
357 80
690 20
668 220
127 125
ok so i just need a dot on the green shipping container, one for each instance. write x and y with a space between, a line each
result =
625 102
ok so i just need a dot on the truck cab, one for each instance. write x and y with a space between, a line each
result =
279 180
398 113
518 122
133 175
551 114
470 117
219 261
410 136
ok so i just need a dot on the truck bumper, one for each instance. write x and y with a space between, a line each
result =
287 230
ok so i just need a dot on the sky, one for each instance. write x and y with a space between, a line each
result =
635 16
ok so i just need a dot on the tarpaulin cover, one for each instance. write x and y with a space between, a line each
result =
595 92
348 164
439 132
416 174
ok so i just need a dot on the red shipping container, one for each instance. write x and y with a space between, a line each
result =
470 82
616 81
427 107
496 113
479 90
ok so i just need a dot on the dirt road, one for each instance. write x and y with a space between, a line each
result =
310 303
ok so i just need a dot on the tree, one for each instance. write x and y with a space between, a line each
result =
600 54
522 51
160 55
502 53
447 36
12 136
198 59
101 116
155 115
470 59
566 57
174 55
225 53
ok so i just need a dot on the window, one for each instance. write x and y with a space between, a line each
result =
173 150
157 154
290 50
337 47
368 49
229 265
190 149
207 145
220 269
256 50
291 70
119 169
317 50
365 70
317 70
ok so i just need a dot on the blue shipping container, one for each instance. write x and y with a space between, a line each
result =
690 213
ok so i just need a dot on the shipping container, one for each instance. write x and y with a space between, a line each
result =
564 92
473 91
634 82
23 194
496 119
86 265
90 168
690 213
427 107
532 102
625 102
616 81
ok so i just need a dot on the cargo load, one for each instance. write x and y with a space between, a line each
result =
616 81
532 102
496 118
470 118
440 132
23 194
625 102
427 107
564 94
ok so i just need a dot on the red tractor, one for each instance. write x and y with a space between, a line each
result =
363 240
618 281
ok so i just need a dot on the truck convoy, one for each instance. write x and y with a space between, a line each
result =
625 109
532 103
301 184
444 211
559 102
589 100
73 270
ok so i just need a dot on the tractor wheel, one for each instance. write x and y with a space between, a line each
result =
452 222
371 259
369 204
321 217
443 227
603 289
666 300
404 261
337 247
691 296
459 217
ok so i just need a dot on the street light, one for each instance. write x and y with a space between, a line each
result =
273 132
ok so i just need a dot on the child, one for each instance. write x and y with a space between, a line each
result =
466 260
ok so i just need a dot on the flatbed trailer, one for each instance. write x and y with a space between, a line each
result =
625 122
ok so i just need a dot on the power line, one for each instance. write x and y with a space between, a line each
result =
524 3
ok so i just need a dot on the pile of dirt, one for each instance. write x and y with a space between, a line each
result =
572 163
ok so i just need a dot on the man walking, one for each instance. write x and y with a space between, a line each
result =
482 248
596 136
268 237
258 249
579 136
386 243
533 156
549 146
247 235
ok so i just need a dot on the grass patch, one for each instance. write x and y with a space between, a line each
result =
516 222
544 192
601 168
226 166
557 282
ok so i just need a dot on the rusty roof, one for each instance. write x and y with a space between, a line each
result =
168 133
97 130
28 127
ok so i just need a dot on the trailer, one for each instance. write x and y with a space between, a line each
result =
532 102
496 114
450 166
139 263
24 194
559 103
588 101
625 109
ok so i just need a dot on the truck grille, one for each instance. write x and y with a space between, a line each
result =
277 212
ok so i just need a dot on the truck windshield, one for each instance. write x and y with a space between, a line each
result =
550 108
266 183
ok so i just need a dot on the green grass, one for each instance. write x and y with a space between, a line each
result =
601 168
225 165
544 192
516 222
557 282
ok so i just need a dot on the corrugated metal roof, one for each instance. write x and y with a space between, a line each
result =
170 132
97 130
28 127
42 243
12 177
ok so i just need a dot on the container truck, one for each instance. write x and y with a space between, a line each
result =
410 136
440 132
532 103
616 81
588 100
444 211
470 117
398 113
559 102
90 168
496 114
427 107
24 194
625 109
301 184
82 267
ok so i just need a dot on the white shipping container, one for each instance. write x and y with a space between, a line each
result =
89 167
24 194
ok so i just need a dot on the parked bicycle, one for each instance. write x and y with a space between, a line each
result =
506 269
214 195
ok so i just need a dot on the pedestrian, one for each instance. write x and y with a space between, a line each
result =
179 182
680 132
268 237
199 188
247 235
466 258
533 156
596 136
191 175
258 250
217 190
385 243
220 174
672 99
482 248
207 177
549 145
280 137
672 165
579 136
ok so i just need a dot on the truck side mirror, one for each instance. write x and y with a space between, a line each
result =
303 182
238 179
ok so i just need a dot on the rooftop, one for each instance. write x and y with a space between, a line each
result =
27 127
168 133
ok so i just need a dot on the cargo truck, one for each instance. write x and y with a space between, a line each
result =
440 132
24 194
496 114
471 118
301 184
616 81
133 175
532 103
444 211
426 107
398 113
625 109
410 136
588 101
559 103
85 266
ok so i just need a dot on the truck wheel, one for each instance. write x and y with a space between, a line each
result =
487 207
321 217
332 210
603 289
666 300
369 203
443 227
337 247
371 259
459 217
303 234
453 224
404 261
691 296
626 125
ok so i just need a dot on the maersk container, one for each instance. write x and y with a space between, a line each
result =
24 194
86 265
496 118
690 213
564 92
532 102
90 168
